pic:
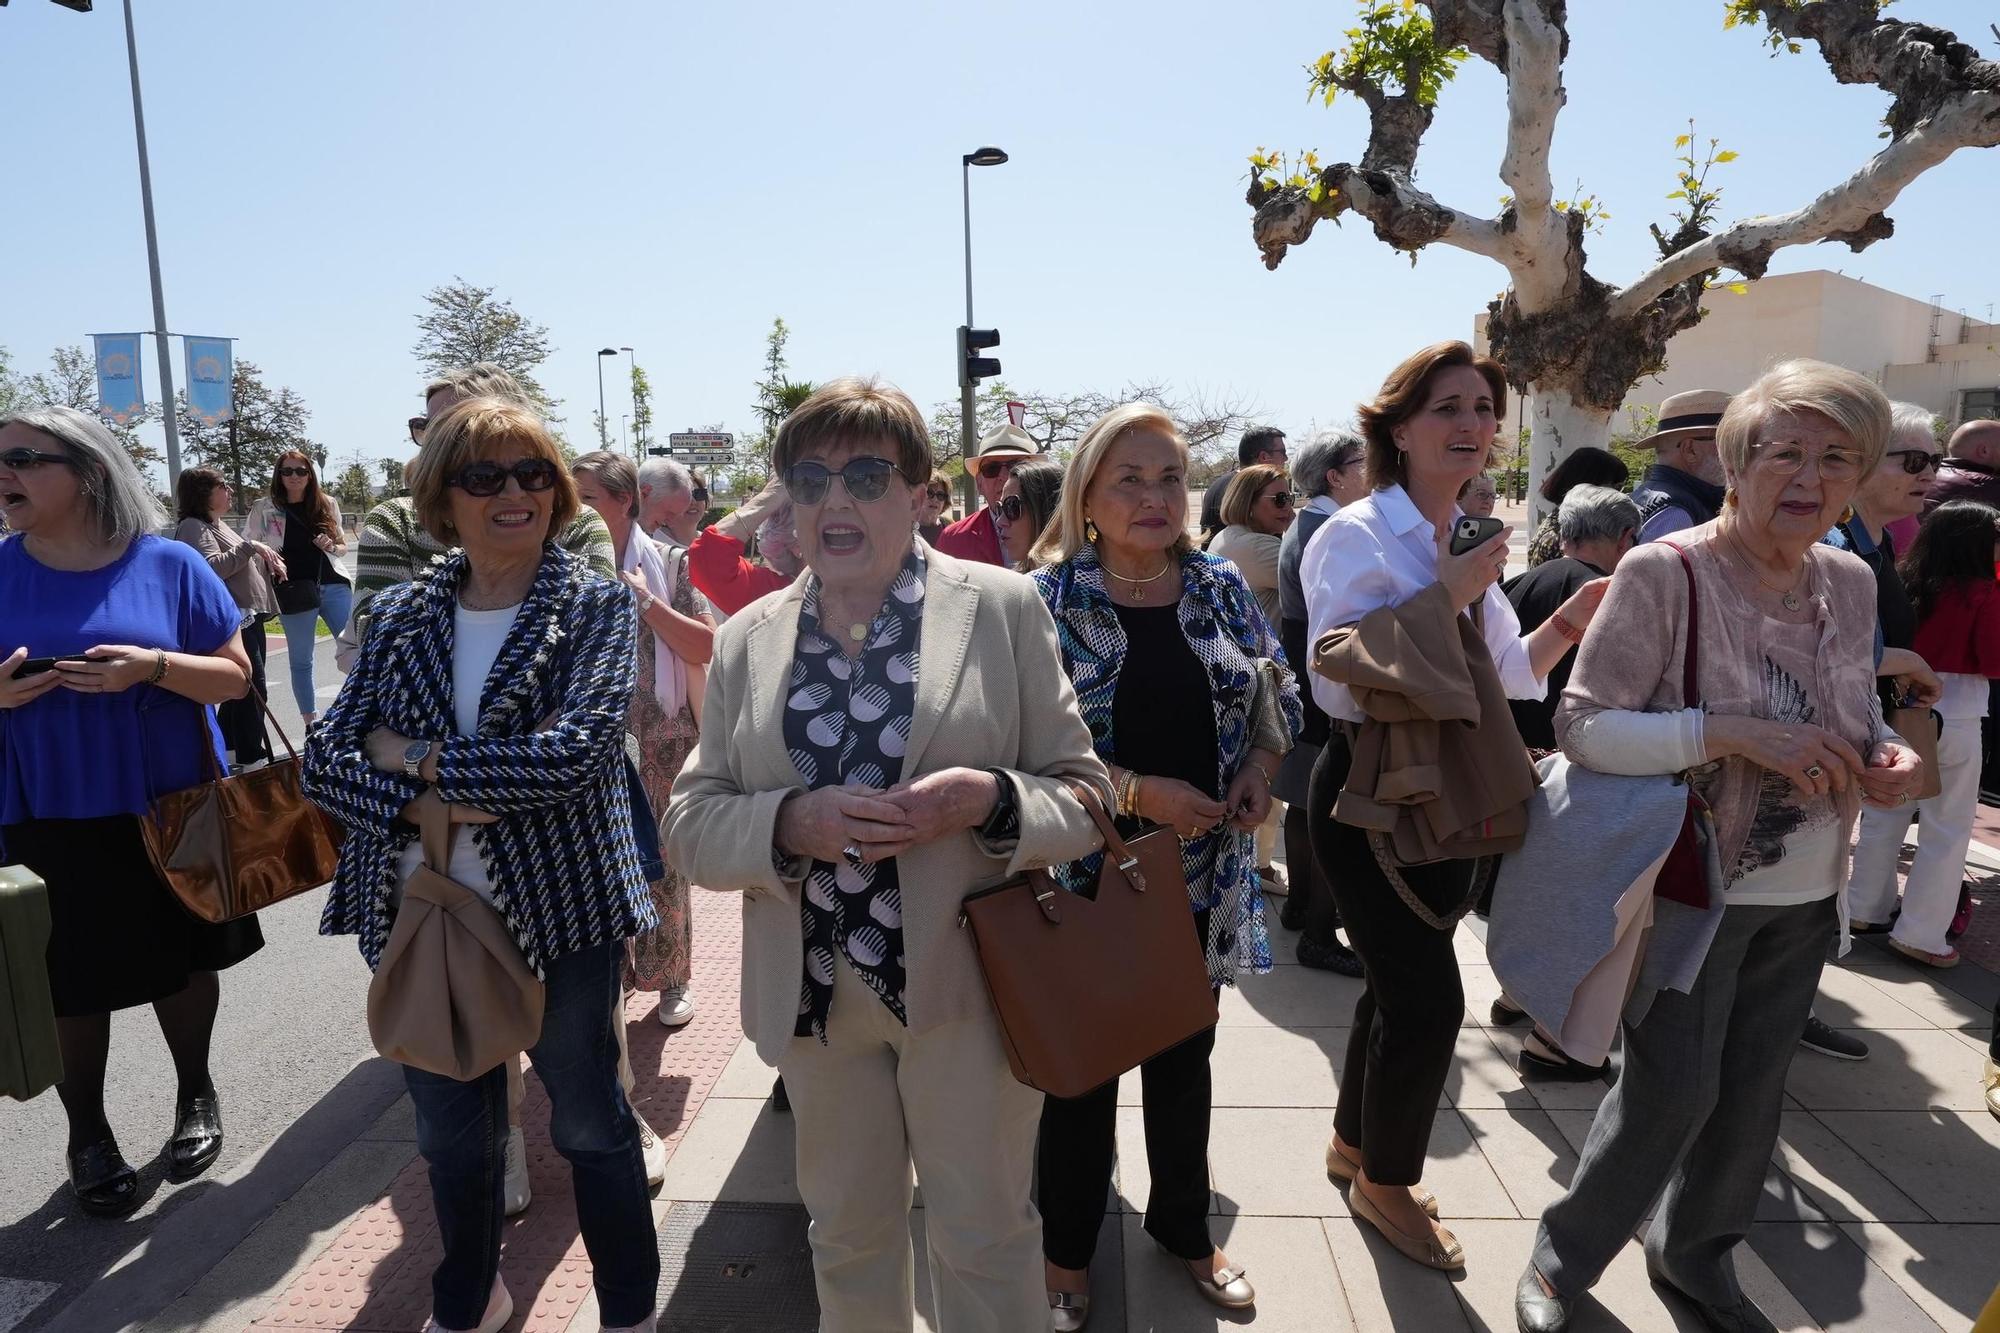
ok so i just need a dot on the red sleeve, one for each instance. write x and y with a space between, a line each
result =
1986 630
972 538
717 566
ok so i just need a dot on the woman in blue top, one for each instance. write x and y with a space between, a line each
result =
145 640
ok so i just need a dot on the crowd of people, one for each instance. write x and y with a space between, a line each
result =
597 693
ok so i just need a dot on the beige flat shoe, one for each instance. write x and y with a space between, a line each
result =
1993 1085
1069 1311
1342 1168
1440 1249
1949 958
1227 1287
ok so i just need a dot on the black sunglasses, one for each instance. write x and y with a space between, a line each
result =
866 480
418 425
998 467
1013 508
1916 462
483 479
1282 499
27 460
295 472
700 493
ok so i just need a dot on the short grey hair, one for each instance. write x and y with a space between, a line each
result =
121 501
1592 513
664 474
1912 421
1320 455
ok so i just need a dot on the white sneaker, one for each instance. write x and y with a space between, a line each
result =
654 1150
499 1309
515 1192
676 1007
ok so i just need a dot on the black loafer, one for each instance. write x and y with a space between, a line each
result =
1535 1311
1505 1015
1329 958
1292 916
102 1180
197 1138
1743 1317
1563 1070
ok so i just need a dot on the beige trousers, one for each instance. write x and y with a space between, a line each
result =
1270 832
876 1099
517 1083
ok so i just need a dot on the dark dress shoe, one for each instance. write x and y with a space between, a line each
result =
1535 1311
1743 1317
1292 916
197 1138
103 1181
781 1101
1562 1069
1329 958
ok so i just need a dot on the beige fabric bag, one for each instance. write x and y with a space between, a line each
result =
453 996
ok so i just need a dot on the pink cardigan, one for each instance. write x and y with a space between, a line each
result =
1631 660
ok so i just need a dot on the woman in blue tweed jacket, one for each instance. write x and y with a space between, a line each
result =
498 682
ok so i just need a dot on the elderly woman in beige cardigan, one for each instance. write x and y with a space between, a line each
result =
1788 743
887 734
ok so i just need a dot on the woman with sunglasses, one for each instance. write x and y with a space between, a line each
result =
1027 502
1153 629
145 642
888 734
302 523
1256 511
937 499
498 683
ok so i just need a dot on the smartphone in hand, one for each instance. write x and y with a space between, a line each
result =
1469 533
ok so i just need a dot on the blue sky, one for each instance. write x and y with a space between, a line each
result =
670 177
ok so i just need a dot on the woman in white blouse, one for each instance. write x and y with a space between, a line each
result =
1428 430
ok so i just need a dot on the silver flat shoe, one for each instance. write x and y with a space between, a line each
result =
1228 1288
1069 1311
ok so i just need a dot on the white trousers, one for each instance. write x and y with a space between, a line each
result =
876 1099
1930 894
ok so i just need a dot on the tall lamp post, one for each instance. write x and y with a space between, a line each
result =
603 426
978 157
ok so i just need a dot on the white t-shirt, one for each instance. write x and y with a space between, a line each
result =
477 637
1808 872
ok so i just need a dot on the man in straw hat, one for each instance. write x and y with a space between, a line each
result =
974 536
1683 488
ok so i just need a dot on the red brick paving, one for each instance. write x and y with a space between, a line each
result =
375 1276
1981 942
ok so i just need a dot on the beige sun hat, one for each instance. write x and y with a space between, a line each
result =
1686 413
1008 441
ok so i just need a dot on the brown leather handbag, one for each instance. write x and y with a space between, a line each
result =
1088 988
1919 726
452 994
235 845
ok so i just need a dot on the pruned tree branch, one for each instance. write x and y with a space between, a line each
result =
1403 215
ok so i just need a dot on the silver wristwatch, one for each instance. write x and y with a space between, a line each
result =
414 755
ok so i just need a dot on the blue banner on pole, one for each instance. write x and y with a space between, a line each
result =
121 395
208 379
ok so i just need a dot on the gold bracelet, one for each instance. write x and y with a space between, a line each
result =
1137 782
159 667
1261 769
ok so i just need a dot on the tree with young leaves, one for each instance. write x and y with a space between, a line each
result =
1209 421
462 323
351 487
642 409
245 448
1575 342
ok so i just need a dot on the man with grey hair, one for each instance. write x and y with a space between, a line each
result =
666 497
1597 526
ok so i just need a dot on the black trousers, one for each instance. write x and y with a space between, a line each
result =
1406 1021
242 720
1079 1143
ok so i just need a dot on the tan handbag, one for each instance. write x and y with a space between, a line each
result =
452 994
1085 988
1919 726
236 845
1269 730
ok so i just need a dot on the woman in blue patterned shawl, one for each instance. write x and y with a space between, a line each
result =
1163 643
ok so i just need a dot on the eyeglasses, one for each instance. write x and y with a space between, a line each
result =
1785 457
418 425
866 480
484 479
295 472
1282 499
27 460
1916 462
1013 508
942 497
999 467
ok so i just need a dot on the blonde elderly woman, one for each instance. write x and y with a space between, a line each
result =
1152 628
882 737
1788 744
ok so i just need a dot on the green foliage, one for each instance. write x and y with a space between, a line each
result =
71 381
463 323
642 408
1698 200
267 423
1643 422
392 475
1393 46
351 488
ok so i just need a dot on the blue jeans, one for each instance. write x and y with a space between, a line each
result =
461 1129
301 630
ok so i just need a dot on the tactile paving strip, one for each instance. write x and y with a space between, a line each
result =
736 1268
375 1276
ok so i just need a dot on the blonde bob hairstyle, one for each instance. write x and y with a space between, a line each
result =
1850 401
1064 537
476 430
1239 497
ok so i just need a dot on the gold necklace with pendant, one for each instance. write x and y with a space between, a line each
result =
1138 586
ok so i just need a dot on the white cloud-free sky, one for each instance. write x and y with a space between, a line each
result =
671 176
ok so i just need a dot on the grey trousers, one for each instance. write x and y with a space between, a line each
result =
1694 1116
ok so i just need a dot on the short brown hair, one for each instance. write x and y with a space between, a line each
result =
1403 395
856 410
615 473
194 491
1239 498
473 430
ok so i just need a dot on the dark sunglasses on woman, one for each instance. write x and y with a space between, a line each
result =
1013 508
1916 462
418 425
700 494
295 472
1282 499
483 479
27 460
866 480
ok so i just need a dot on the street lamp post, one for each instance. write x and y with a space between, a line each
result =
603 426
979 157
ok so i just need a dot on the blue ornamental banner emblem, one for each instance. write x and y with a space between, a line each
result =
209 392
121 397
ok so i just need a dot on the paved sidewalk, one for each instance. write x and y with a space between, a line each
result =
1881 1212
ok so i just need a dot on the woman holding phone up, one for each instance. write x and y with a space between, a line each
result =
1428 431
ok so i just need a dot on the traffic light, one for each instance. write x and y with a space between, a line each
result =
973 367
